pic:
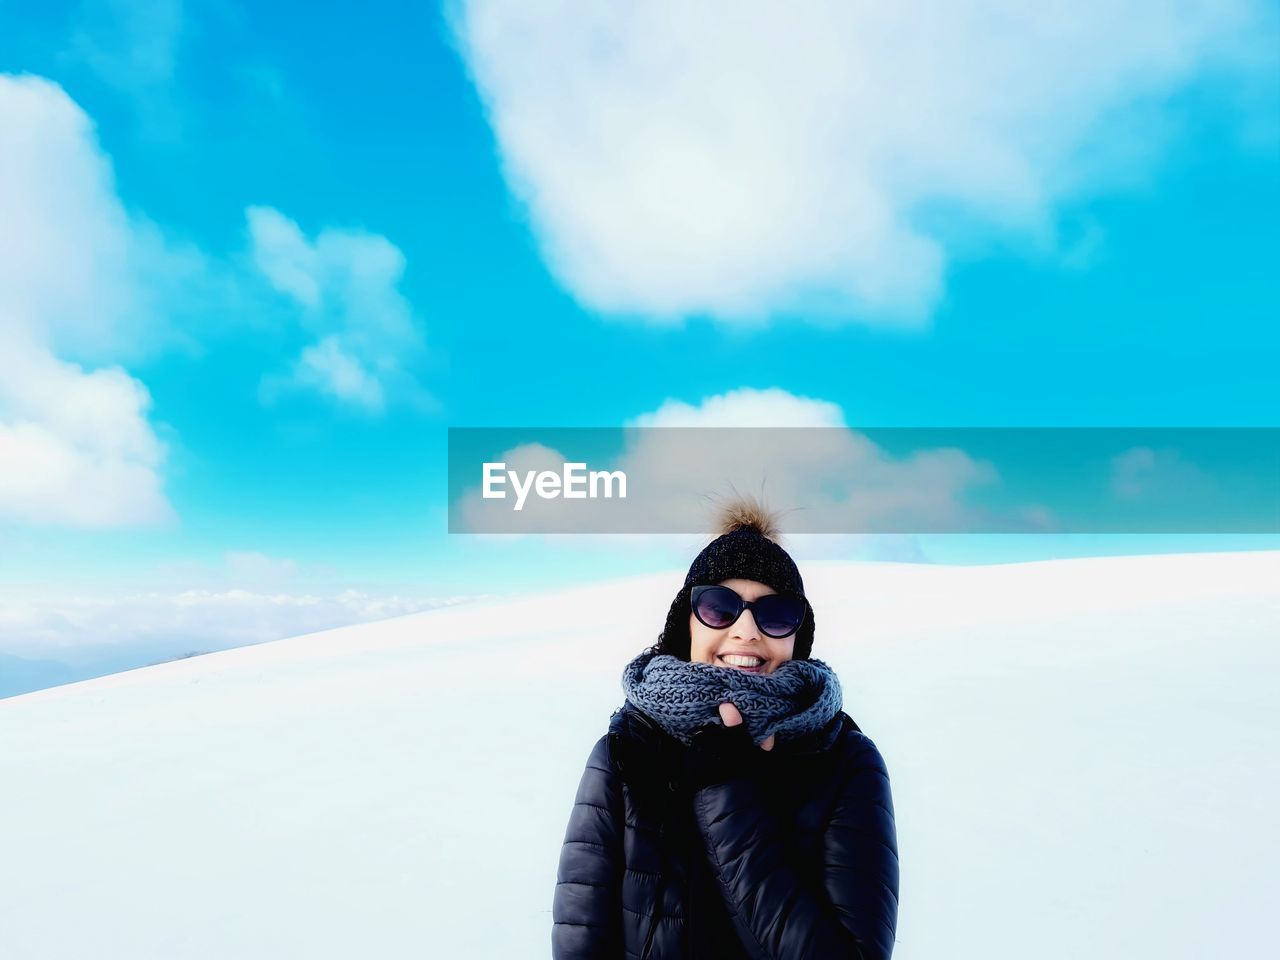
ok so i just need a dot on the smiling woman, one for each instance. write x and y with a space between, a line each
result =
732 810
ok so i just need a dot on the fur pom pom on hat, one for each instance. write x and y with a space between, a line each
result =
746 548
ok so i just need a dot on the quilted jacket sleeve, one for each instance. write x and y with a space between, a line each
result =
586 910
851 910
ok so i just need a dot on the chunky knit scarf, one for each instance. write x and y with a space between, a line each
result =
800 696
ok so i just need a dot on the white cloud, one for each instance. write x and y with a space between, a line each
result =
80 279
77 271
344 283
745 407
329 368
284 256
75 446
739 158
840 473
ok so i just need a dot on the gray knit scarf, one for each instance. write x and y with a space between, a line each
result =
800 696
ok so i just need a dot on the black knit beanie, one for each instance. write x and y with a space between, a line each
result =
746 548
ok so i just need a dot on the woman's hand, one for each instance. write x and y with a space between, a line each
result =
732 717
722 751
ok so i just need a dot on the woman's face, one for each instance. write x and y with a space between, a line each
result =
741 639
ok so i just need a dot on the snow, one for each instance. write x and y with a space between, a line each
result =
1082 755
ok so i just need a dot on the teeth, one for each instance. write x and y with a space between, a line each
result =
741 661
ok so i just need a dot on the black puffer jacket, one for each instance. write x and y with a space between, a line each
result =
798 859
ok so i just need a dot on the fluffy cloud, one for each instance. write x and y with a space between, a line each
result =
738 158
76 447
344 283
80 280
745 407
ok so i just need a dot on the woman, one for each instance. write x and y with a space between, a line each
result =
733 809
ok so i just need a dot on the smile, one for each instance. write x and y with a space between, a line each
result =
742 662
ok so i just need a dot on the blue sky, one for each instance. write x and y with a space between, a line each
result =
1122 272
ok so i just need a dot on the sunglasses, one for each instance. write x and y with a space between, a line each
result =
777 615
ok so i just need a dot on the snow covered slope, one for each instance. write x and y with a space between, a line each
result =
1082 754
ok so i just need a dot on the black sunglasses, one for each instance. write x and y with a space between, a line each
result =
777 614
